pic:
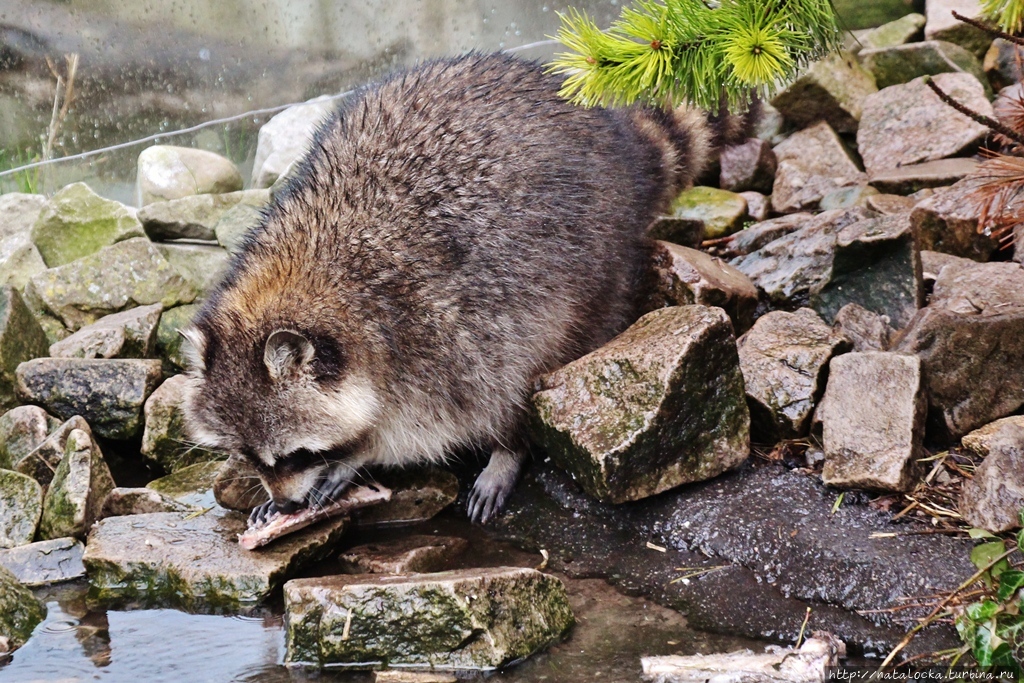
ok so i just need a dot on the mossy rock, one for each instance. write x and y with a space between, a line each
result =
20 612
80 485
169 341
21 339
904 63
721 212
165 440
21 503
191 485
21 431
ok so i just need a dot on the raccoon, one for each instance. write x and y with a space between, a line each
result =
453 232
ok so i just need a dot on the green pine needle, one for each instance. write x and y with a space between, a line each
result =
1009 14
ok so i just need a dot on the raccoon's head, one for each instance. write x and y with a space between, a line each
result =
289 401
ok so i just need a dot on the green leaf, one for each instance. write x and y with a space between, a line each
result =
983 645
1010 581
982 611
980 533
984 554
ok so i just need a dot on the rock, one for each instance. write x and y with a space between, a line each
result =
747 166
195 217
979 442
134 273
194 562
21 431
408 555
790 269
974 365
770 125
907 124
238 487
876 265
948 222
866 330
168 336
873 418
466 619
904 63
686 276
19 212
993 498
894 33
830 90
890 204
20 612
752 238
660 405
109 394
758 206
914 177
720 212
942 25
979 287
847 197
192 485
45 562
784 359
165 440
417 494
401 676
19 261
202 265
812 163
234 224
21 503
285 138
21 339
128 334
1002 64
80 485
139 501
166 172
43 461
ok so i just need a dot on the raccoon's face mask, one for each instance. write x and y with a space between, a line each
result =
290 408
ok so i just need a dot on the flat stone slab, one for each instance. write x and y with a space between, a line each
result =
720 212
903 63
21 503
812 163
189 562
194 217
417 494
407 555
128 334
913 177
471 619
660 405
979 442
894 33
993 498
45 562
139 501
753 237
947 222
873 418
192 485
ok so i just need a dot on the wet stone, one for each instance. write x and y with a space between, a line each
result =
979 441
21 501
169 342
128 334
720 212
903 63
45 562
20 612
993 498
74 500
237 486
234 224
134 273
873 419
192 485
109 394
812 163
166 172
754 237
942 25
401 676
77 222
42 462
21 339
866 330
411 554
1002 64
688 276
21 431
830 90
285 138
913 177
165 440
467 619
139 501
908 123
947 222
201 264
660 405
194 562
784 360
417 494
194 217
747 166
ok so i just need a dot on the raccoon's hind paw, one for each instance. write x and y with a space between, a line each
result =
493 486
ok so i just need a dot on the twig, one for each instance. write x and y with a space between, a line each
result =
988 29
803 628
986 121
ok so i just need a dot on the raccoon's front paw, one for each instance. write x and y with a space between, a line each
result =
493 486
261 513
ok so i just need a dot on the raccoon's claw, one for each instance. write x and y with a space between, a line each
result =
493 486
261 513
327 491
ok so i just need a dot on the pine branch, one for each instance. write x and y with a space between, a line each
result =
988 29
986 121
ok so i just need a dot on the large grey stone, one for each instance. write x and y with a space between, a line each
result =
75 497
947 222
20 612
21 339
19 261
285 138
22 429
466 619
904 63
873 418
812 163
21 501
979 442
866 330
406 555
233 226
191 485
992 499
128 334
134 273
140 500
908 123
660 405
196 216
45 562
747 166
417 494
891 34
830 90
942 25
913 177
169 342
77 222
784 359
109 394
41 462
166 172
687 276
719 212
194 562
19 212
203 265
754 237
978 287
165 440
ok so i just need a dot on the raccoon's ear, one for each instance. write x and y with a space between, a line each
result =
194 348
287 352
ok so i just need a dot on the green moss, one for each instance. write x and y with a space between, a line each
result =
21 503
20 612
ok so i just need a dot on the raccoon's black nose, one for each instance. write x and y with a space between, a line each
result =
287 507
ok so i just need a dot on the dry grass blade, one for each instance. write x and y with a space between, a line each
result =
1010 112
